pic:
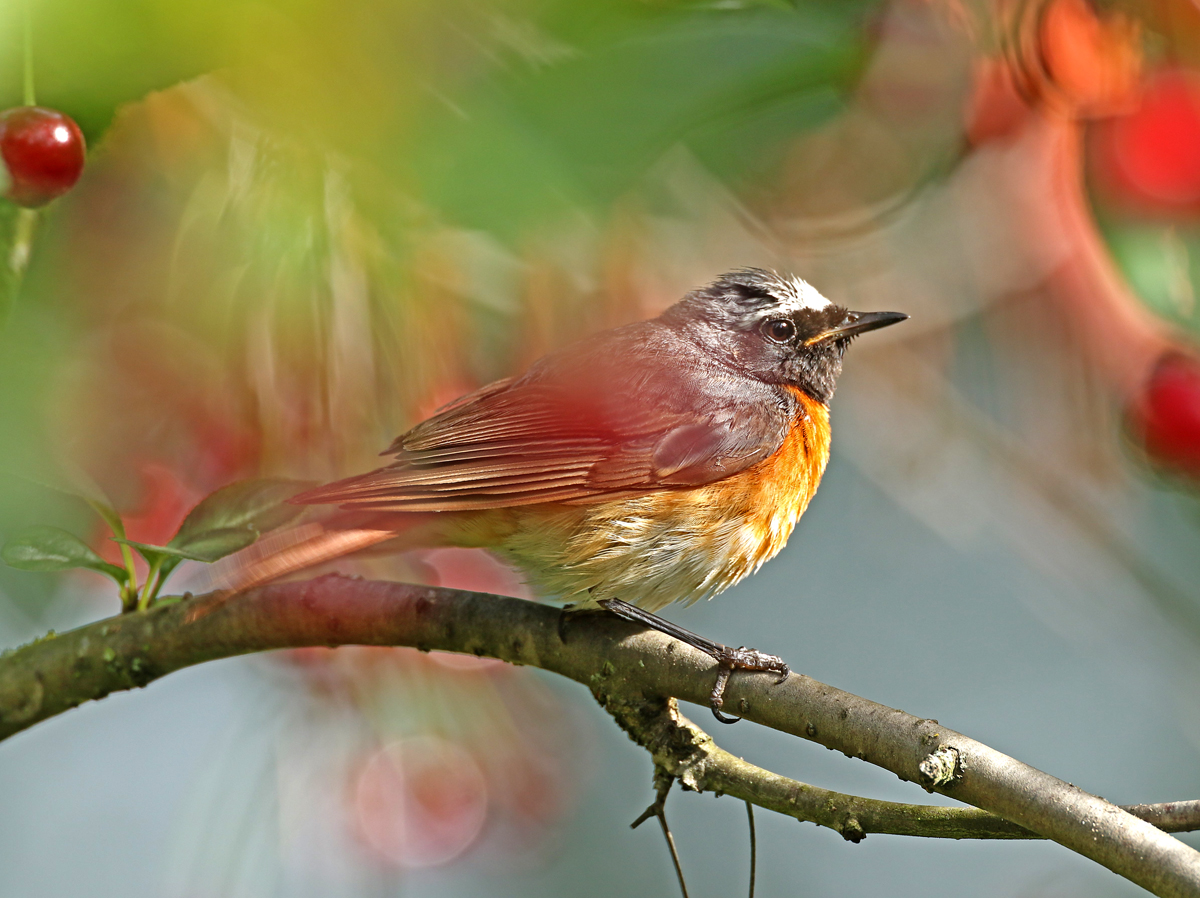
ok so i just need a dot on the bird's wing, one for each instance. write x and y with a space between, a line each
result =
581 435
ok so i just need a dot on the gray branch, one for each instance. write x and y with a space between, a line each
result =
622 665
685 752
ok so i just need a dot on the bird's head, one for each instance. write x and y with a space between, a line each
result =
774 328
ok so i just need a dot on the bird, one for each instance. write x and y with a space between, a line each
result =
658 462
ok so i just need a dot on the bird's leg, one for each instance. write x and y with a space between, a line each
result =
728 660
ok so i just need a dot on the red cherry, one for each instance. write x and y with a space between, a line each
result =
43 153
1167 418
1149 160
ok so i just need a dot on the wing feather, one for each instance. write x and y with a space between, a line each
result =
581 426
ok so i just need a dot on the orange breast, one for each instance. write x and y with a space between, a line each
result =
769 497
669 545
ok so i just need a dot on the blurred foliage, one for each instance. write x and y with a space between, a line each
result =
306 224
1162 262
556 100
190 309
732 85
90 57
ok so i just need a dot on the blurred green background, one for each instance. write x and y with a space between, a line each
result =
306 225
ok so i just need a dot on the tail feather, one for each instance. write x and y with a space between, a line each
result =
291 551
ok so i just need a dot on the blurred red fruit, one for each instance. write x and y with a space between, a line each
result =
1094 61
43 153
420 802
1167 418
1149 160
1064 55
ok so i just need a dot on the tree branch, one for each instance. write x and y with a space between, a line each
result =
684 751
619 662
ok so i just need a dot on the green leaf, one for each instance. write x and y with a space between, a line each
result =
229 520
208 546
52 549
256 506
149 552
71 480
214 544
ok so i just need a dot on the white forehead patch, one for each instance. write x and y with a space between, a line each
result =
804 294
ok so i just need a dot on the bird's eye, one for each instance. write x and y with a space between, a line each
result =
779 329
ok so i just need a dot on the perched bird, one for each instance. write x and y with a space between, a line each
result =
658 462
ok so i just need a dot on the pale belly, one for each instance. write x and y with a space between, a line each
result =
631 550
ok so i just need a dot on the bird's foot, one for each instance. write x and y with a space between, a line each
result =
728 659
741 658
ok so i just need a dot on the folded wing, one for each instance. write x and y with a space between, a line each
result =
579 427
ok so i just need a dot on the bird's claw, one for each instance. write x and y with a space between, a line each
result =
728 660
741 658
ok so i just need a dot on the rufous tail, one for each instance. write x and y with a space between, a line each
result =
291 551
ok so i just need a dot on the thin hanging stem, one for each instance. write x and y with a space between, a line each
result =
662 820
30 98
25 222
753 847
662 786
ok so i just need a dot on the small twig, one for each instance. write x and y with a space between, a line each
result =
662 820
662 787
693 757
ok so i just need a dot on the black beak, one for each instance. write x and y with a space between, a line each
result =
857 323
